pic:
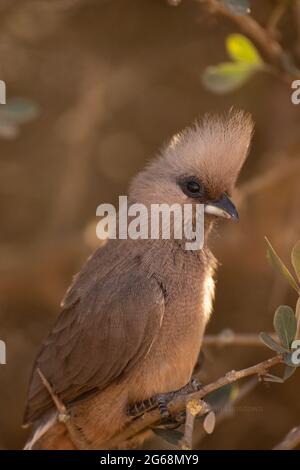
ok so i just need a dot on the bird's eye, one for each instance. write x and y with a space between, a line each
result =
192 187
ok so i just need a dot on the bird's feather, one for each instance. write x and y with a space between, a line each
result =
100 333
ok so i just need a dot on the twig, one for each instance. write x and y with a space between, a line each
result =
276 17
63 416
194 408
290 441
229 338
270 48
151 418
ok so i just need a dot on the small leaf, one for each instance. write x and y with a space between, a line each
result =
238 7
276 263
296 259
271 343
226 77
288 372
170 435
273 378
209 422
285 325
241 49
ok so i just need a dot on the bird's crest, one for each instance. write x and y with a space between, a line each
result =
214 147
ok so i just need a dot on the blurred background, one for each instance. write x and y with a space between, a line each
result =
94 87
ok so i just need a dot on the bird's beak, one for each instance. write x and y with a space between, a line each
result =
223 207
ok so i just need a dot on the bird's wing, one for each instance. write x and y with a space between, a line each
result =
106 326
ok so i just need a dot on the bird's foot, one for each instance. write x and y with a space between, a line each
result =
140 407
194 385
162 400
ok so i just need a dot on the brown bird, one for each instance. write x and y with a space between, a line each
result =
132 322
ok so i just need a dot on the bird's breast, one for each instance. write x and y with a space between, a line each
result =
172 357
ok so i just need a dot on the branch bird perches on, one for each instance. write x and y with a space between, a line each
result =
176 406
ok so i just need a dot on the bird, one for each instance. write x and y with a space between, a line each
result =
132 322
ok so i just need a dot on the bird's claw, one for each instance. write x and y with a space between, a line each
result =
140 407
162 400
193 386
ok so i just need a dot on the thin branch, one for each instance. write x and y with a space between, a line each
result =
62 410
290 441
229 338
178 404
269 47
194 408
275 18
63 416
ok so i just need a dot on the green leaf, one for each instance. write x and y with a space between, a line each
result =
285 325
226 77
277 264
170 435
296 259
242 50
271 343
288 372
238 7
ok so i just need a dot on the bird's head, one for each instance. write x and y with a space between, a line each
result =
200 164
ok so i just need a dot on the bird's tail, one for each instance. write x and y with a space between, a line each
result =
48 434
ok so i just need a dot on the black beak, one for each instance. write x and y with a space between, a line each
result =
223 207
